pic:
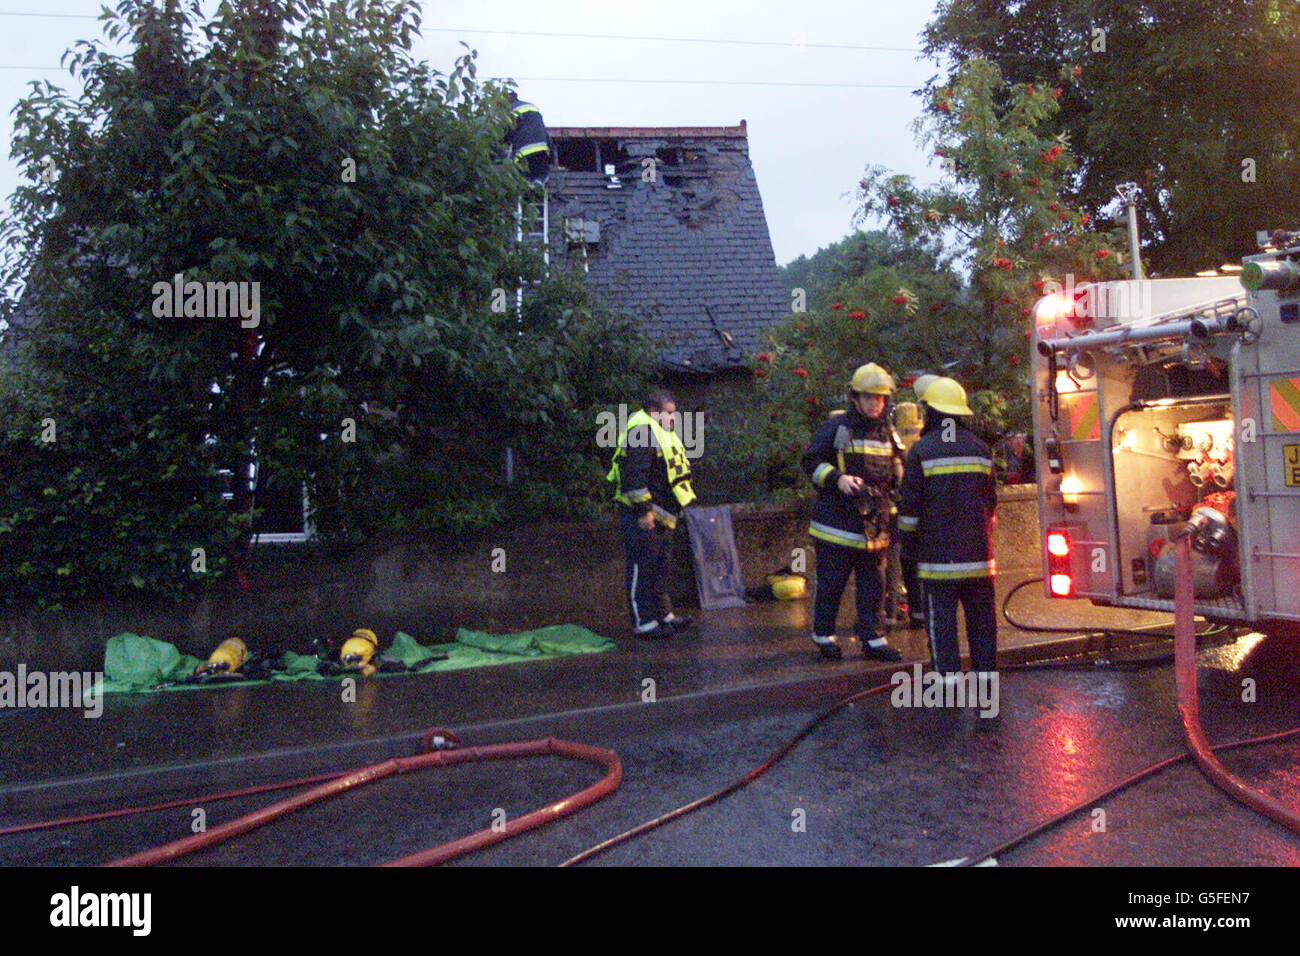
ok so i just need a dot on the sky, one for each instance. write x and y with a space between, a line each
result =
826 86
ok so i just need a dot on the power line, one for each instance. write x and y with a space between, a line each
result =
655 39
550 34
652 80
53 16
593 79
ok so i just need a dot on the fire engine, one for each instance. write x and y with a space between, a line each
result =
1169 405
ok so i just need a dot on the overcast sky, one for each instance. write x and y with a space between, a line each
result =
809 143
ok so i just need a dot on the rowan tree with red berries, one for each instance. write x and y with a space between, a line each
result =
999 208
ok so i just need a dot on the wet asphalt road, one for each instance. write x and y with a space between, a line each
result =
876 785
758 644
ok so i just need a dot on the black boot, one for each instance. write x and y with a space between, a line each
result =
830 650
657 633
881 652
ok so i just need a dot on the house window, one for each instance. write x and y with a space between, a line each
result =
284 509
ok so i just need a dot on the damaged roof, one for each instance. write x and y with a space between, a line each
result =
681 242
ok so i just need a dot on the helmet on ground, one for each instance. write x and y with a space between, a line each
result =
871 379
787 587
946 395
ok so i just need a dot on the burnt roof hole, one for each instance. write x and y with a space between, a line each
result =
578 155
680 165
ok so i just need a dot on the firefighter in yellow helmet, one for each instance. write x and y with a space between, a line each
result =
947 505
900 568
854 462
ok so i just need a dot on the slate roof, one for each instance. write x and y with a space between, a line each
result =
689 253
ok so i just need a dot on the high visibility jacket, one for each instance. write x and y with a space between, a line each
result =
650 470
948 499
529 135
848 443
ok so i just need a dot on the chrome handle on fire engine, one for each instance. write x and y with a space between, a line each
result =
1222 318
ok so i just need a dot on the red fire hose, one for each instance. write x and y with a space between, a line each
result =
606 759
1188 705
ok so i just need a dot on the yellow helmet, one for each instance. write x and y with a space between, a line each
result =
871 379
946 395
921 383
787 587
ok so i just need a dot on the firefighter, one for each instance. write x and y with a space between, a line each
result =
854 461
908 419
652 480
947 505
530 144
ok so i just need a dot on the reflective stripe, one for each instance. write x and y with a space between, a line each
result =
908 523
945 466
821 471
523 108
631 596
955 570
530 149
667 517
868 447
637 494
835 536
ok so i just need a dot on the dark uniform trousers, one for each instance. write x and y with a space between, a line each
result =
834 564
976 598
648 553
911 582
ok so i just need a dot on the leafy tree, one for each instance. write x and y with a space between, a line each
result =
1176 97
821 274
1002 208
988 237
297 145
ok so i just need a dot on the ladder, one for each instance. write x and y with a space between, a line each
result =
539 233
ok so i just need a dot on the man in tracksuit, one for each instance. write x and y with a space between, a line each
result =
854 461
652 479
948 500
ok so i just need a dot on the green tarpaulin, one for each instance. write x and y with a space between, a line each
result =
135 664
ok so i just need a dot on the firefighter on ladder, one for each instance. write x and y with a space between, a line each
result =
854 461
530 144
948 501
652 484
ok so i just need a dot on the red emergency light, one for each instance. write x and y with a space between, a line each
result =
1059 580
1064 311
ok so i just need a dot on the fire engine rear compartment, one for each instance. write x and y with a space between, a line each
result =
1169 457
